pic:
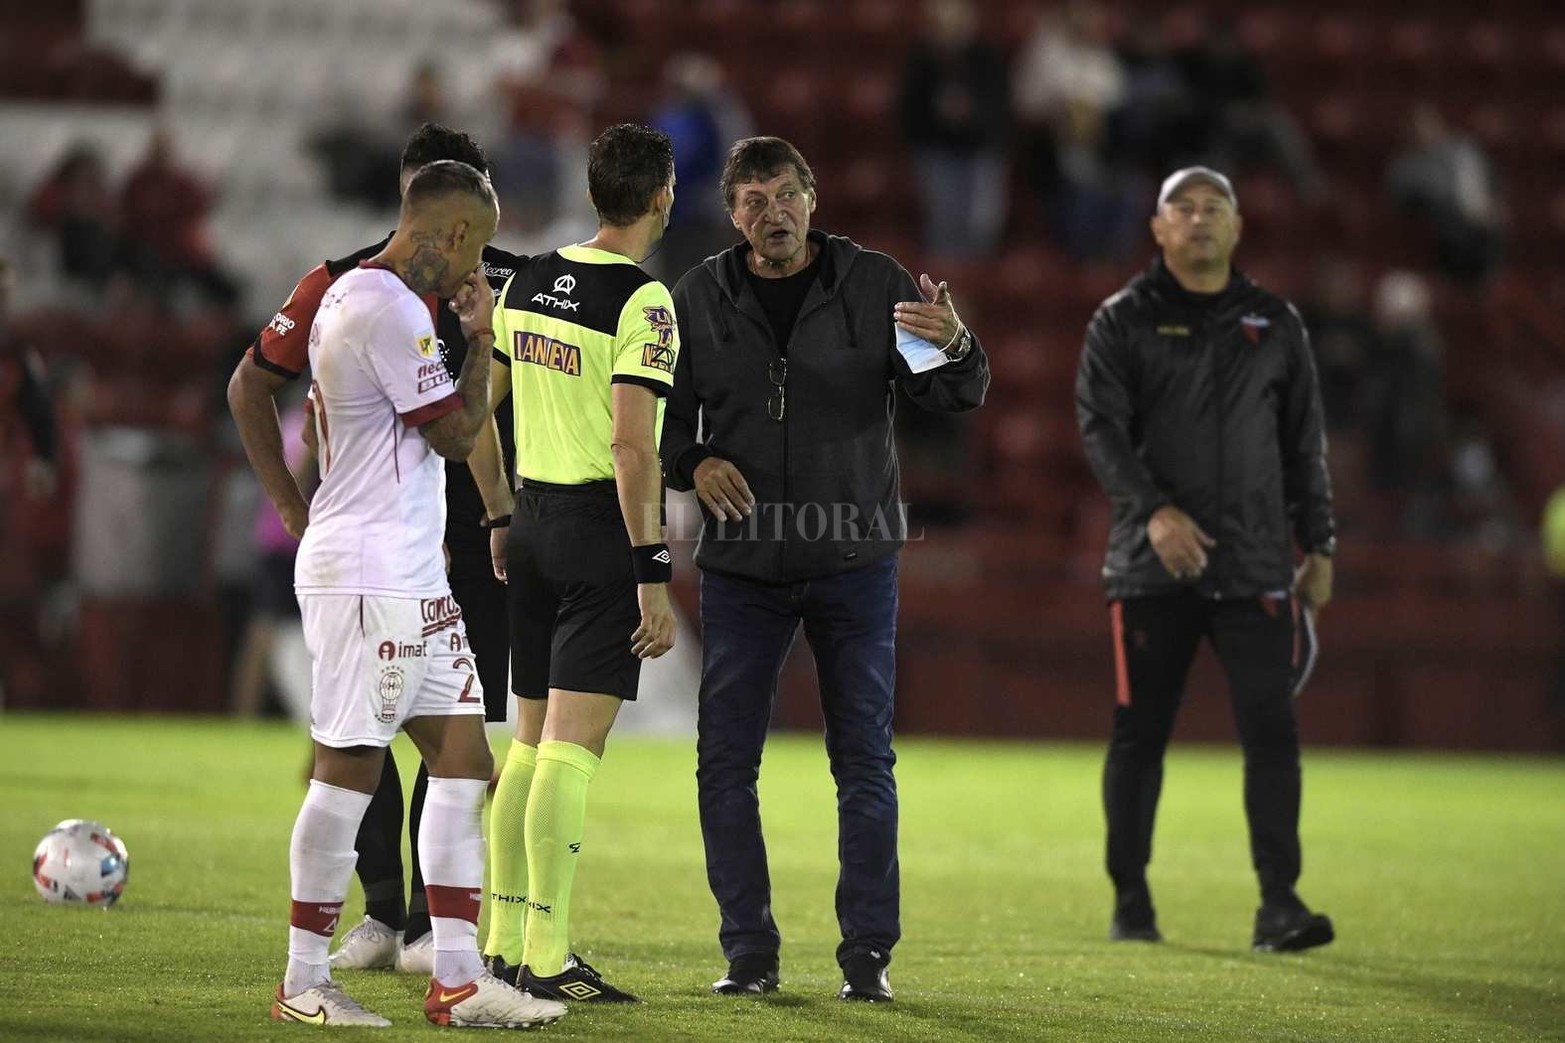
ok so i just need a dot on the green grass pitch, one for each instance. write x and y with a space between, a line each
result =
1445 875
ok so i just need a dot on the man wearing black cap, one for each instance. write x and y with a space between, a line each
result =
1200 413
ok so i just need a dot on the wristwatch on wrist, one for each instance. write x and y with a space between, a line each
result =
959 347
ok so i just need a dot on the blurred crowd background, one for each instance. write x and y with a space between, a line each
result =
169 168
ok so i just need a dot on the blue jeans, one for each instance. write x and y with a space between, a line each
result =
850 621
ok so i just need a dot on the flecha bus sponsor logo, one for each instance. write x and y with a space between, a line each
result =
432 375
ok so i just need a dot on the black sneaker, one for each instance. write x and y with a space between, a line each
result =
864 979
749 974
578 981
502 970
1134 918
1290 929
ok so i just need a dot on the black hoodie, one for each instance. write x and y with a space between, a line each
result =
824 477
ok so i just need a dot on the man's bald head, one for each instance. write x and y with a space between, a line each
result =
448 213
448 180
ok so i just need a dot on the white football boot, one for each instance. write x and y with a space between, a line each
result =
488 1002
370 946
325 1005
418 957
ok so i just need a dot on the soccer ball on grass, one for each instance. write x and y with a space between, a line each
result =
79 862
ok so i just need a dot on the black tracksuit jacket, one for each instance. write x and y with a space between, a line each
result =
825 478
1209 403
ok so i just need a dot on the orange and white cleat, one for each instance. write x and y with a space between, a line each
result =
487 1002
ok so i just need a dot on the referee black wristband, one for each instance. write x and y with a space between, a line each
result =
652 563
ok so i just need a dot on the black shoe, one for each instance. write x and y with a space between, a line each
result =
749 974
1134 918
1290 929
864 979
500 969
578 981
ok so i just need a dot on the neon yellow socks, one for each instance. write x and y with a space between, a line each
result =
508 854
556 815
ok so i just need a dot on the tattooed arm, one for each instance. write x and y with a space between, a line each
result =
453 435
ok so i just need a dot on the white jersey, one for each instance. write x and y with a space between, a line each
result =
378 518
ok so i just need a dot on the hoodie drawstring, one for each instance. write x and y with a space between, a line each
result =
847 314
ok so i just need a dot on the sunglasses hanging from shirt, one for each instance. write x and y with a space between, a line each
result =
777 405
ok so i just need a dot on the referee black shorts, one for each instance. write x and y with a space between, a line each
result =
572 592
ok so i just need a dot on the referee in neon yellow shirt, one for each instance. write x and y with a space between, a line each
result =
589 343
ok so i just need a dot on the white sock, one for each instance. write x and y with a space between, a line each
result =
451 850
320 859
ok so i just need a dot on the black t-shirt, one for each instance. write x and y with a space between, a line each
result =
782 298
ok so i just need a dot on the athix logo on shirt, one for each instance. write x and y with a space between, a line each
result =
562 286
548 353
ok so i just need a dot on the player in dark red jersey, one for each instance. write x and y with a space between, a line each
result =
395 930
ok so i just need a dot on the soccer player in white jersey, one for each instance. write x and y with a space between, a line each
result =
386 639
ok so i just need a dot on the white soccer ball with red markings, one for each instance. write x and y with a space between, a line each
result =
79 862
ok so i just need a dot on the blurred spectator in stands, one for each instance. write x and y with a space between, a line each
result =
1148 130
1445 178
702 117
1404 404
164 208
551 74
426 102
1068 85
1237 122
75 202
24 389
1342 334
272 604
1482 506
955 109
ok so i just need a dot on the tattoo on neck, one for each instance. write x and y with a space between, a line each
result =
426 270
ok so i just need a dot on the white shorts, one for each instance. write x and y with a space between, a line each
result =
376 662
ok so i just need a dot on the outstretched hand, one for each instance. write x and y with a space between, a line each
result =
934 318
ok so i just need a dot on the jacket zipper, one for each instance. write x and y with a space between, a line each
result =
782 545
